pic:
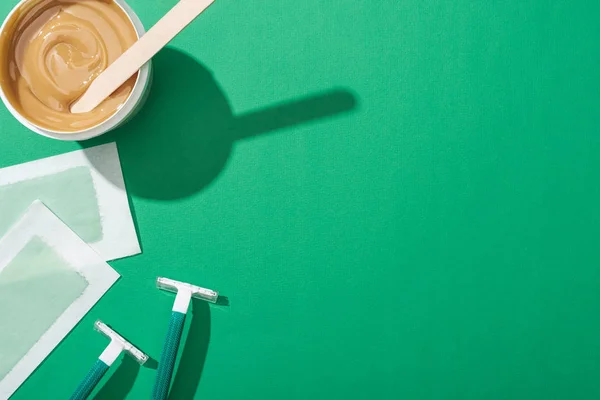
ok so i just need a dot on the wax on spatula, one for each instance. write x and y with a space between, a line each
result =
140 53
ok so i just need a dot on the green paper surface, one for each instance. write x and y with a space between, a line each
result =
70 194
400 199
36 287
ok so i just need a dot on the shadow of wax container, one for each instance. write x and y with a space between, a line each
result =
182 138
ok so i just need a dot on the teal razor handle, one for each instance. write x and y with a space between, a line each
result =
90 381
185 292
168 356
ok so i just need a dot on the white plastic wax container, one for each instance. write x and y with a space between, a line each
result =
132 105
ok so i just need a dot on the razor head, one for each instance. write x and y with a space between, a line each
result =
197 291
129 348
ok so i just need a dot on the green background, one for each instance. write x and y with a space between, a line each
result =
399 198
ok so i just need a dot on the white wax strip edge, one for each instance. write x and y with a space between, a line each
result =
40 222
119 237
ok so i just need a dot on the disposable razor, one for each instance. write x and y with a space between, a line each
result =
117 345
185 292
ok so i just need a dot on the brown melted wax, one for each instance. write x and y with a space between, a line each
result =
50 52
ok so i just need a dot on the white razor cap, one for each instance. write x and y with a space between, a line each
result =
114 337
196 291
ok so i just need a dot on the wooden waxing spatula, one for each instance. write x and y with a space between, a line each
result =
140 53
